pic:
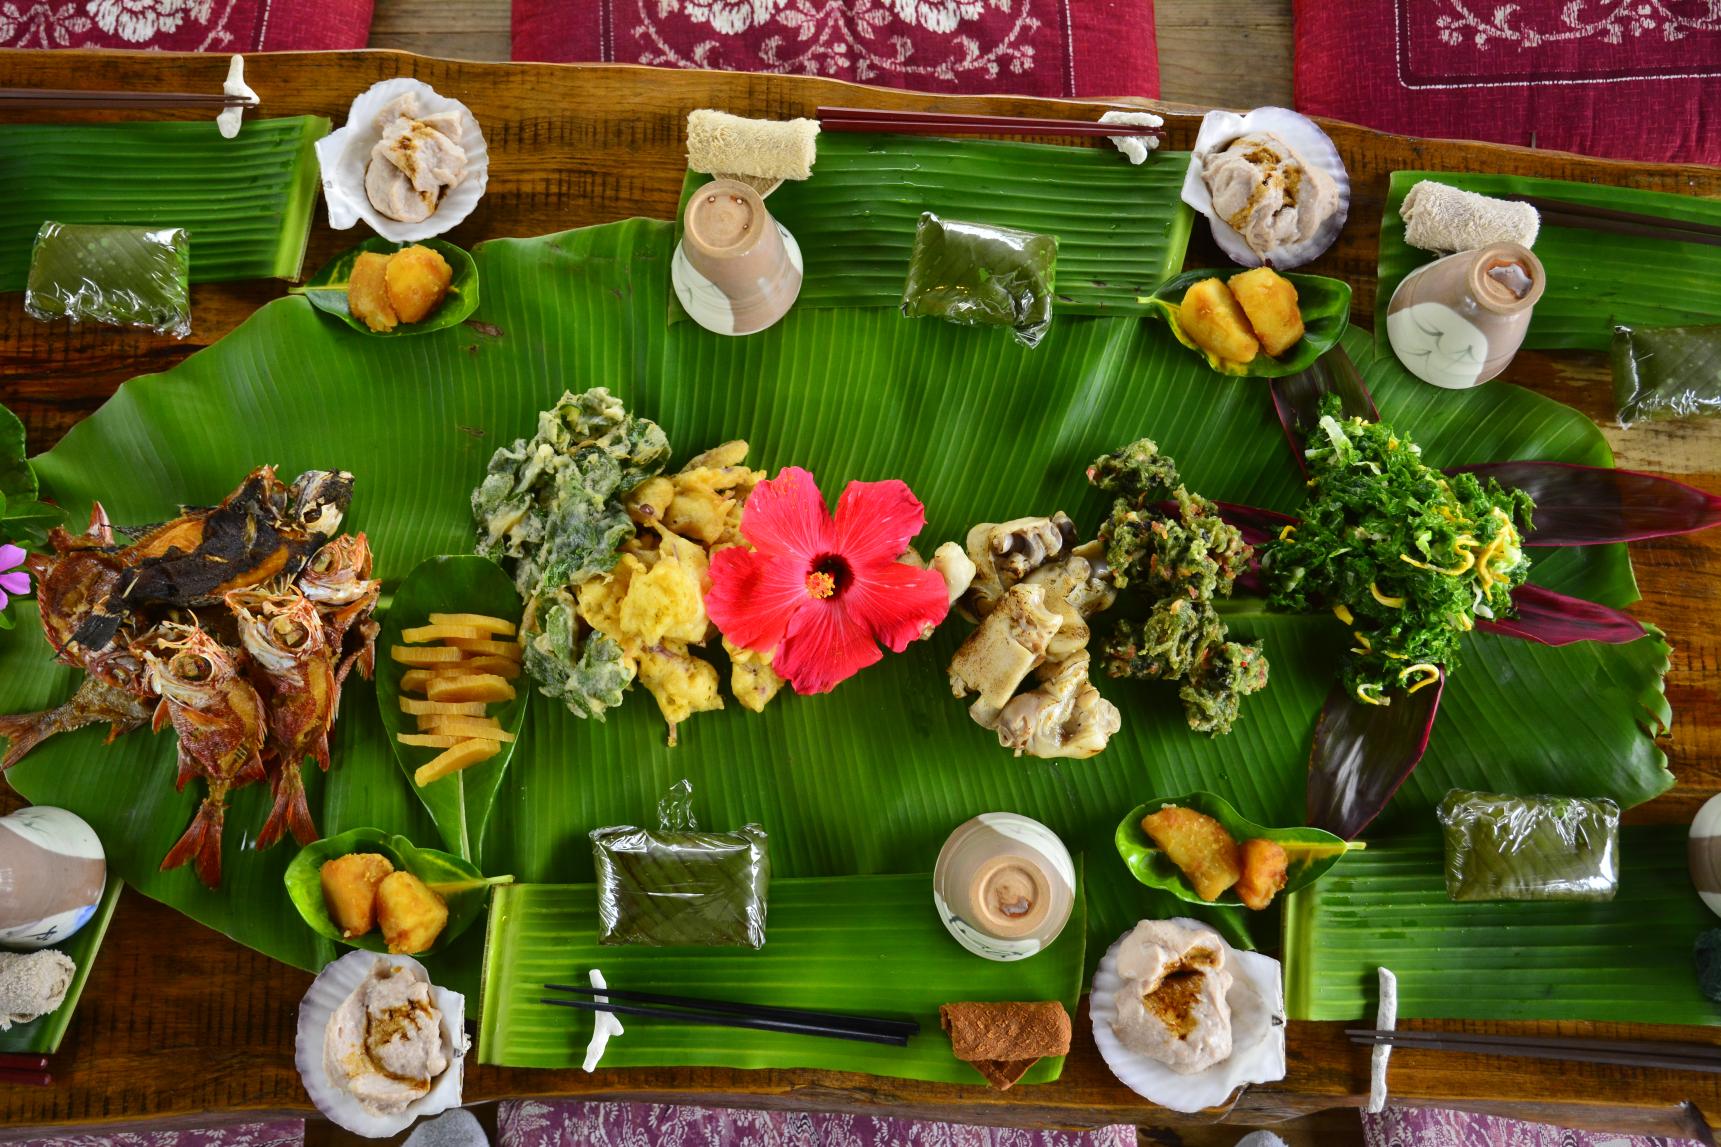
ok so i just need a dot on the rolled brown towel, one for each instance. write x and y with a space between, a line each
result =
1003 1040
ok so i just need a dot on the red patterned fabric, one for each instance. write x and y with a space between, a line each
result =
1627 79
1026 47
186 25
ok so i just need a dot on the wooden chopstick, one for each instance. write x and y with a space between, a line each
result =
1583 216
951 123
12 98
725 1007
17 1061
1646 1054
754 1022
26 1078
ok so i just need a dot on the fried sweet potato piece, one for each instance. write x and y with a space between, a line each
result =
367 292
1264 869
1197 844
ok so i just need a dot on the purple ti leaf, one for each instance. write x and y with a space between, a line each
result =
1362 753
1297 397
1550 618
1592 505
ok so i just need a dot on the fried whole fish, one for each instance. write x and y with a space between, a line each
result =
294 671
221 725
95 701
261 531
338 580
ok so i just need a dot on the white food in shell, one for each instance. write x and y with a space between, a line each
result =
1257 1002
350 175
1317 158
1265 192
379 1045
1172 1005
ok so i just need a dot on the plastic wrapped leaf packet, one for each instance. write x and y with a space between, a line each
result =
1529 848
122 276
1666 373
976 274
676 886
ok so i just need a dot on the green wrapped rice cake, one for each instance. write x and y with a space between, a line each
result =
122 276
1529 848
979 275
676 886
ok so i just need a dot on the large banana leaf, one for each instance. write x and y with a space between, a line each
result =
868 945
1121 229
1627 960
871 778
1596 279
246 201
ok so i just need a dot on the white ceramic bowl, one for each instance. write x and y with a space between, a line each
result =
1312 145
328 991
344 153
1257 999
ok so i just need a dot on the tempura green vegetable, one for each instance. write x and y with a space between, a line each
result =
1529 848
1404 556
122 276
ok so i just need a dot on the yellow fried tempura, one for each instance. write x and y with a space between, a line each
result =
367 292
417 280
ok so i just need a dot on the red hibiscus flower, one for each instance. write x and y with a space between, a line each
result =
822 591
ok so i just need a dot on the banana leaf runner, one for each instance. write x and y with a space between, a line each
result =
870 779
1596 279
1627 960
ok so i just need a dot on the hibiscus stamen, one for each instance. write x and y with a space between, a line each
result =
821 585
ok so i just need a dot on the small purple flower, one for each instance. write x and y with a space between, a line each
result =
14 582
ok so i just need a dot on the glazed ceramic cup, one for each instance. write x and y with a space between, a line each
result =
1004 885
52 875
736 270
1458 321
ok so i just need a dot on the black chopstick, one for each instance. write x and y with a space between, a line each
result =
953 123
904 1028
1583 216
1644 1054
25 1078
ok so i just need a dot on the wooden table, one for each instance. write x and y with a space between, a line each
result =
181 1025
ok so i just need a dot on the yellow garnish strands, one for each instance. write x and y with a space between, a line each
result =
1384 599
1362 639
1370 695
1285 534
1344 614
1429 671
1465 622
1456 571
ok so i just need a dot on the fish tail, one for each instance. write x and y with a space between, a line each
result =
290 813
201 843
24 731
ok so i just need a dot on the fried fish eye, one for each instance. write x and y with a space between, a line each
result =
192 667
324 561
288 633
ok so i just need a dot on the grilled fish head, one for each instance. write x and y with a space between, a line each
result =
280 631
189 667
318 500
339 573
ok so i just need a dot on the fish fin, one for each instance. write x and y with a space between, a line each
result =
158 721
368 629
201 844
290 813
320 749
100 528
187 768
24 731
251 771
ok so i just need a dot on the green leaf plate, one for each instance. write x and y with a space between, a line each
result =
866 945
327 289
461 885
42 1035
1325 304
1628 960
1311 851
460 804
1596 280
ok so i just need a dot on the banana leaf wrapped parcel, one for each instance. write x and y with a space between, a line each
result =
1529 848
975 274
122 276
677 886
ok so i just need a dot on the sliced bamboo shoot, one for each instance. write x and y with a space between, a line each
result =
417 708
467 727
507 649
452 760
422 655
475 621
430 740
427 633
477 687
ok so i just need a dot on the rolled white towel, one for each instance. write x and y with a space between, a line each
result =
1446 219
1136 147
722 144
33 984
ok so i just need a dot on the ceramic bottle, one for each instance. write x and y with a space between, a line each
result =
736 270
1004 885
1458 321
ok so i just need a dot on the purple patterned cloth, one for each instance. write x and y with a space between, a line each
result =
279 1133
526 1123
1435 1127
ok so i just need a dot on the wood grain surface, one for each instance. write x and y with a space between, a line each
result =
178 1023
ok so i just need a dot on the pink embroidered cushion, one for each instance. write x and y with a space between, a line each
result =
1025 47
186 25
1626 79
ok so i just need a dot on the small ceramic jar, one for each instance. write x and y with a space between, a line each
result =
736 269
1705 853
52 875
1458 321
1004 886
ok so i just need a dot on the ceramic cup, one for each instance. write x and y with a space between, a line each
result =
1458 321
736 269
52 875
1004 885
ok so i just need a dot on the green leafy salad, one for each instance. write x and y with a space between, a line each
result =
1405 556
550 508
